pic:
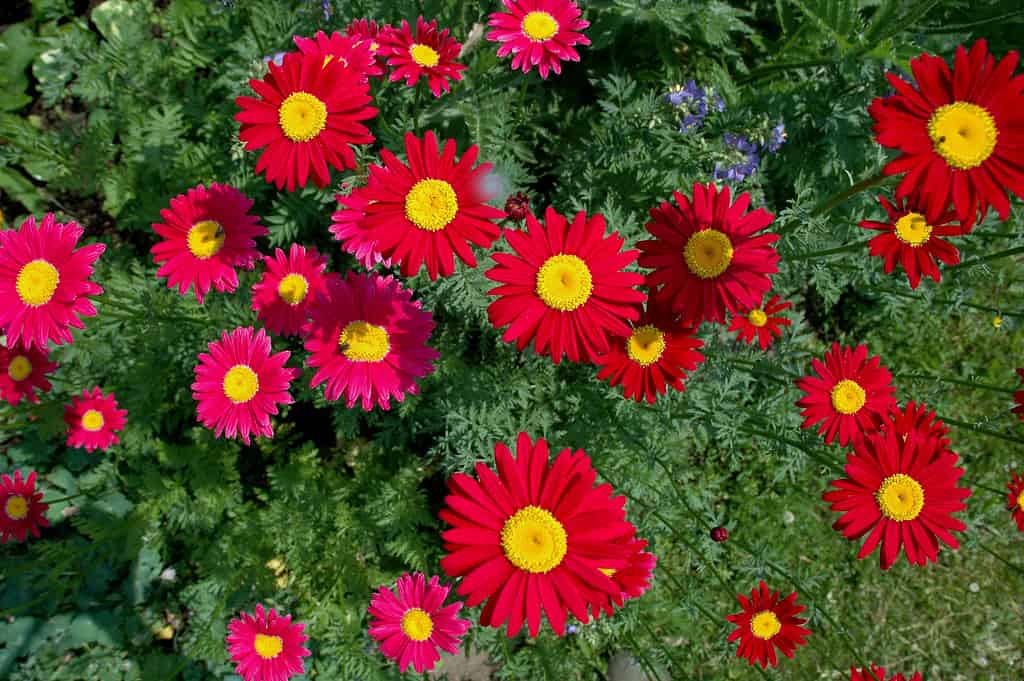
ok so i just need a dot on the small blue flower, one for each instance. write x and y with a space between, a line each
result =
777 139
571 629
693 103
278 58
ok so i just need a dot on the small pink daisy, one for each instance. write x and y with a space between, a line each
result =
539 33
349 227
266 646
21 507
23 371
368 339
353 53
429 53
239 384
207 233
92 420
288 287
412 625
44 281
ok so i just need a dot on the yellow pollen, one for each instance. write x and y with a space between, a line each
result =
765 625
37 282
431 204
913 230
539 26
900 497
424 55
16 507
848 397
268 647
241 384
758 318
646 345
302 117
328 58
708 253
205 239
417 625
997 321
564 282
964 134
20 368
363 342
92 420
293 288
374 46
1020 501
534 540
607 572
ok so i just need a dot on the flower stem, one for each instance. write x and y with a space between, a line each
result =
836 199
955 381
981 431
989 258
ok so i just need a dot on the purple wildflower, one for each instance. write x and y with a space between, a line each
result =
777 139
693 101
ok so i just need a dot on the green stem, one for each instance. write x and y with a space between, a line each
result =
989 258
652 671
770 69
845 248
416 107
1004 561
980 431
836 199
51 502
955 381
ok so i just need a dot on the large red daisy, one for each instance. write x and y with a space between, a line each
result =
207 233
534 534
564 287
21 507
367 339
1018 397
93 419
266 646
707 255
768 622
538 33
23 371
44 281
849 395
353 53
1015 500
901 493
760 321
308 116
349 227
431 209
960 132
429 52
878 674
288 287
659 353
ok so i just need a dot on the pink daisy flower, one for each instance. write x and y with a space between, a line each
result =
44 281
23 371
349 227
539 33
207 233
368 339
266 646
288 287
429 53
412 625
353 53
21 507
92 420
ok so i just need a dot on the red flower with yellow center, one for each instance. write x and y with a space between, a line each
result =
768 622
283 295
1015 500
428 52
913 241
760 321
93 419
353 53
266 646
23 371
21 507
538 33
367 31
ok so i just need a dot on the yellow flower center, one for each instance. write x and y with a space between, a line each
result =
431 204
607 572
16 507
37 282
424 55
19 368
533 540
564 282
268 647
539 26
848 397
900 497
293 288
205 239
765 625
374 46
964 134
758 318
1020 501
708 253
912 230
92 420
241 383
328 58
997 321
646 345
417 625
302 116
363 342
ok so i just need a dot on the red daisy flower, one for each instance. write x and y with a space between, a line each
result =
917 418
766 623
707 256
430 209
901 491
534 534
850 395
353 53
349 227
760 321
369 340
308 117
564 288
207 234
92 420
429 53
1018 397
912 241
23 371
633 580
288 287
44 281
266 646
367 30
960 132
1015 500
21 507
878 674
539 33
660 352
412 625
